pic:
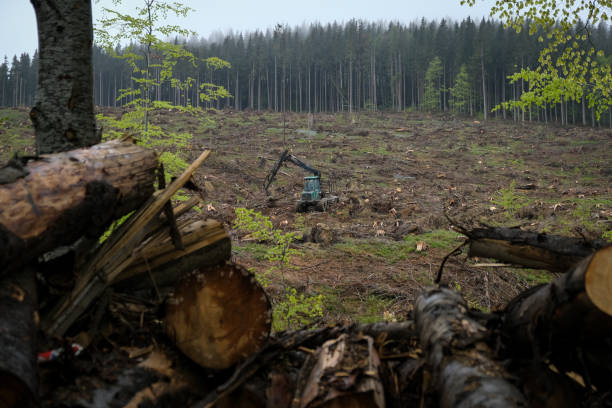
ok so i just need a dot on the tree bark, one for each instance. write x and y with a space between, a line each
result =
568 321
63 115
464 370
45 208
530 249
219 316
18 327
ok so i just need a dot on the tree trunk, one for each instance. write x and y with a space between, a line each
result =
63 115
46 206
18 327
530 249
219 316
464 371
568 321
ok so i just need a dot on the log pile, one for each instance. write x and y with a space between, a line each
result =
53 210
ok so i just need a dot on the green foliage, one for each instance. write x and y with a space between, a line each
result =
585 208
460 93
296 310
510 200
260 227
433 87
293 310
607 235
153 61
569 66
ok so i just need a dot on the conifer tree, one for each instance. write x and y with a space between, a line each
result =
433 87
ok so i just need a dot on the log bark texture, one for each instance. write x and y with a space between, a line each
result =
18 327
565 323
63 115
464 369
530 249
219 316
70 194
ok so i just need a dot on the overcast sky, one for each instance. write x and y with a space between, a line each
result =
18 27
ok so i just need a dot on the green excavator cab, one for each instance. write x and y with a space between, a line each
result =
312 188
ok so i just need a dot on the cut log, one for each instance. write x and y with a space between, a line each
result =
219 316
114 256
568 321
46 207
465 372
18 327
530 249
343 372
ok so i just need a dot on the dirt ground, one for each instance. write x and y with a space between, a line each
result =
397 175
400 179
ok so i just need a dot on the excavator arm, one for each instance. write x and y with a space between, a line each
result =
286 156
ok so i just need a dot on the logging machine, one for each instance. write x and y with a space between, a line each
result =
312 198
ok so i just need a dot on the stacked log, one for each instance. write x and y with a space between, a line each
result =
568 321
45 207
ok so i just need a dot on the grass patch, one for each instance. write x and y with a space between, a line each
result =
535 276
392 252
369 309
389 252
444 239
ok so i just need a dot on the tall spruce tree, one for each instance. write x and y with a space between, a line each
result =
460 91
433 86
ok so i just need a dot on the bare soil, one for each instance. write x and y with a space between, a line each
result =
397 175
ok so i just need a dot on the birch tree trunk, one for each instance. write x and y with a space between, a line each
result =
63 115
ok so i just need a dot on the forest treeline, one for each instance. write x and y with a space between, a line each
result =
425 65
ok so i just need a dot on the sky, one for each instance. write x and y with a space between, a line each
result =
18 28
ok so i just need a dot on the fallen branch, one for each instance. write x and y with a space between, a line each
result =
530 249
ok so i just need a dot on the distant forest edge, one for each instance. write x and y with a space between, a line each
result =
356 66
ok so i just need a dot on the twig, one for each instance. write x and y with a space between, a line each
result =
454 252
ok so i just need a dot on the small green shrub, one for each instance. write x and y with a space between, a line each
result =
510 200
296 310
292 310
